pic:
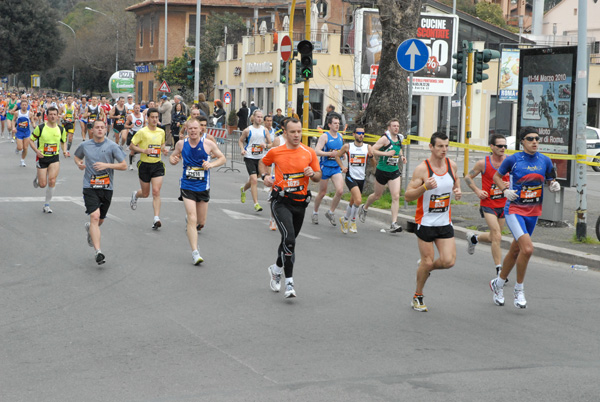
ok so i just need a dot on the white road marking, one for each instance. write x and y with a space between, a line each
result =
240 215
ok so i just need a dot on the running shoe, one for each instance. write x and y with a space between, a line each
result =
275 279
353 227
272 225
89 237
130 167
520 301
199 227
329 215
243 195
362 213
289 291
12 140
395 228
47 209
257 207
36 184
470 244
196 257
315 218
133 202
417 303
17 151
344 225
156 224
100 258
498 297
23 164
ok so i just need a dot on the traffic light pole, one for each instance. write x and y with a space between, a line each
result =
469 100
290 89
581 120
305 104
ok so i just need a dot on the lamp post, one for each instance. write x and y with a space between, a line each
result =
74 39
117 29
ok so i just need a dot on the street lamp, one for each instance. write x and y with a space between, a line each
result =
117 29
74 39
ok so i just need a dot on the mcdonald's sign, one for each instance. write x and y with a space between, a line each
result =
332 70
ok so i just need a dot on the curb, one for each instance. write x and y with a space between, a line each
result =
561 254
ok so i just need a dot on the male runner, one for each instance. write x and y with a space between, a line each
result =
3 107
130 104
254 142
83 107
195 182
278 140
295 164
93 112
433 182
97 157
23 123
327 148
118 115
69 116
134 123
358 153
389 150
492 201
150 143
11 109
528 170
48 136
106 107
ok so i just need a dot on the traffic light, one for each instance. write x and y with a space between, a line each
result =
480 59
460 66
305 48
191 66
299 77
282 72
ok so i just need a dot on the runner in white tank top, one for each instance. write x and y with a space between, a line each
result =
433 183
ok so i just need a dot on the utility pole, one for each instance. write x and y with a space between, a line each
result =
581 120
469 100
290 88
306 104
197 56
166 34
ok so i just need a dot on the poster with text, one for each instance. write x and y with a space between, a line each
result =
508 85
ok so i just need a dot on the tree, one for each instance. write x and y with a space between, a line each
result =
491 13
399 19
30 37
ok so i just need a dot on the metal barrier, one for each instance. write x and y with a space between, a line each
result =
231 150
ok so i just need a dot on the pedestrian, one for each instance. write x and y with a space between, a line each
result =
491 199
203 105
295 164
433 182
177 121
165 109
528 170
199 157
278 119
97 158
219 114
179 99
242 115
331 112
253 107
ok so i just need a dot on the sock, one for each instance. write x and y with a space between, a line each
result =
195 251
348 212
98 251
156 218
354 212
518 286
49 193
315 213
278 269
500 282
289 281
22 160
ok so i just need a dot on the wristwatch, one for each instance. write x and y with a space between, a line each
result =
263 176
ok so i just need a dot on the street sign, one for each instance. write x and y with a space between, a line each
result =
412 55
286 48
227 98
164 87
5 80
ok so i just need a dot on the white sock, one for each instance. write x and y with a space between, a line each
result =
348 212
156 218
278 270
354 212
195 251
518 286
49 194
500 282
289 281
315 212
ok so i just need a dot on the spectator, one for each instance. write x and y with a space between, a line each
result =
219 114
165 109
332 113
179 99
177 120
203 105
242 115
253 107
278 118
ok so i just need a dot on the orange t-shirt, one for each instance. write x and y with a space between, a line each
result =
290 165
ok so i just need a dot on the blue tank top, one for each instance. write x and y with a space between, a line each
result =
332 144
194 178
23 122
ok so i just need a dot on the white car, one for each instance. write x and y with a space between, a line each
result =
592 137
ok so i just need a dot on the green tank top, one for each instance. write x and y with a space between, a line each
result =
390 163
10 106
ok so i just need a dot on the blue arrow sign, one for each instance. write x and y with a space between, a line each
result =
412 55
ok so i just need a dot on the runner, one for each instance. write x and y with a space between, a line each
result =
279 139
528 170
134 123
433 182
106 107
11 110
295 164
97 157
23 123
69 116
327 148
130 104
48 136
150 143
389 150
119 115
94 112
3 107
83 107
254 141
492 200
358 154
195 181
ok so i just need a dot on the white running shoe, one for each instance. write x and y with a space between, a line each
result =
470 244
47 209
89 237
133 202
395 228
289 291
275 279
520 301
498 297
331 217
36 184
353 227
130 167
344 225
196 257
362 213
23 164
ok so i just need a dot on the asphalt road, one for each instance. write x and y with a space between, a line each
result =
150 326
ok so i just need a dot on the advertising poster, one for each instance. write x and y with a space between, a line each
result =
509 75
546 90
122 83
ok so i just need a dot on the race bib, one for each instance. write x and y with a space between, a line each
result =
120 122
531 194
154 151
50 149
100 182
357 160
393 160
292 182
439 203
24 124
495 192
257 149
194 173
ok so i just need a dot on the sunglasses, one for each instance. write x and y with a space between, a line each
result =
360 132
531 139
501 146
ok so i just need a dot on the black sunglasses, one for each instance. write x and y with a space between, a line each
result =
360 132
501 146
531 139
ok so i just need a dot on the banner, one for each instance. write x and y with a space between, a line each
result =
122 83
508 84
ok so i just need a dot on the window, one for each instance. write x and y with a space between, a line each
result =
152 31
233 101
150 90
141 30
191 34
500 117
269 104
260 98
315 98
140 91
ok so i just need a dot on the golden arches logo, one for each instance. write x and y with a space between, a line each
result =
332 70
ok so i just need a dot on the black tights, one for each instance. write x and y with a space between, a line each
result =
289 219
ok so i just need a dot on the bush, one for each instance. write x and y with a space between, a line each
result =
232 118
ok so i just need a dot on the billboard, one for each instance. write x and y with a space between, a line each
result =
438 32
546 101
508 81
122 83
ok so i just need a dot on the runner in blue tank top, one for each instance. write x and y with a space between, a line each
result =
195 182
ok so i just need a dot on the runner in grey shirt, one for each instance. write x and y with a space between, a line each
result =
97 158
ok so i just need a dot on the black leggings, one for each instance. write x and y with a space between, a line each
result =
289 219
